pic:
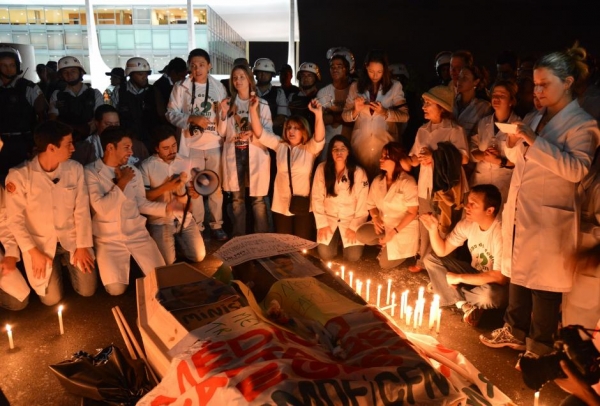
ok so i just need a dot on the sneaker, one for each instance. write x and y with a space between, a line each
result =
471 314
219 235
502 337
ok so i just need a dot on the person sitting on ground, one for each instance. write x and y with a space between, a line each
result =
478 285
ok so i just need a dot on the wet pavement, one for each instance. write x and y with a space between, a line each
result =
89 325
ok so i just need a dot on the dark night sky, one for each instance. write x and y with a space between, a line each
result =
414 31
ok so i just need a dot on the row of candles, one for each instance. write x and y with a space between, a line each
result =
61 327
406 312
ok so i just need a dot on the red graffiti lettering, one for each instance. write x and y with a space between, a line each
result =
307 366
259 381
210 357
249 342
207 388
161 400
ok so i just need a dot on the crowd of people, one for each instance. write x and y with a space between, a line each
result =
483 183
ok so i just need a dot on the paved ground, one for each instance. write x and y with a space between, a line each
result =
26 379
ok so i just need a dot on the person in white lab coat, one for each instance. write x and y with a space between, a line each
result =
193 108
552 154
468 108
375 103
298 152
393 204
166 175
117 197
339 201
489 142
246 161
14 291
49 215
437 108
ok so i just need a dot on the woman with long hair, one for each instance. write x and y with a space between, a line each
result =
469 108
393 204
552 153
245 160
295 155
375 104
339 197
489 142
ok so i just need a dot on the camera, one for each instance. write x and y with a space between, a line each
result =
195 130
581 356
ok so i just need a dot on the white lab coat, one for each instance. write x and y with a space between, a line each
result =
471 114
372 132
118 227
43 212
302 160
393 205
179 110
346 210
12 283
543 204
486 172
260 160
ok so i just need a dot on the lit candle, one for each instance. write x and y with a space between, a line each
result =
421 292
437 323
368 289
343 273
60 321
351 277
304 251
416 316
432 314
11 343
389 292
329 265
408 314
337 274
379 295
536 398
403 303
393 302
358 287
421 311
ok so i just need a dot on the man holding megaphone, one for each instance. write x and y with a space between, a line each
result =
166 175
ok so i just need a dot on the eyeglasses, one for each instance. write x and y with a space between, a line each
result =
339 150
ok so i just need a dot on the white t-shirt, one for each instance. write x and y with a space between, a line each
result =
485 246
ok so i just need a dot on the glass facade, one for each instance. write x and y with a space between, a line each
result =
157 33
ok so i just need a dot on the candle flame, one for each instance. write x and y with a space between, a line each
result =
60 308
8 328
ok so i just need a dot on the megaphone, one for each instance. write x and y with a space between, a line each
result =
205 182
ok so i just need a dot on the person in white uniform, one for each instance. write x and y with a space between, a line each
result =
193 107
437 108
49 216
393 204
295 154
552 154
468 108
488 143
166 176
374 105
339 201
14 291
479 284
246 161
118 198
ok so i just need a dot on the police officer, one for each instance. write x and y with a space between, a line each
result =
23 106
134 100
75 105
264 70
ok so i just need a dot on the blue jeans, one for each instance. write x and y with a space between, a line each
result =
208 159
8 302
486 296
327 252
259 210
190 241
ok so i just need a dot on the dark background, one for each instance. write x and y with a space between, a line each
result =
414 31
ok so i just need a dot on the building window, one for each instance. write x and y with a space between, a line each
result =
56 40
18 16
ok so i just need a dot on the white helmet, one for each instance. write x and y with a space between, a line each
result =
345 53
442 58
137 64
6 51
309 67
264 65
398 69
70 62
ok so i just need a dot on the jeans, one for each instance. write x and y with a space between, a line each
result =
83 283
486 296
327 252
10 303
189 240
259 210
208 159
424 244
367 235
533 316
